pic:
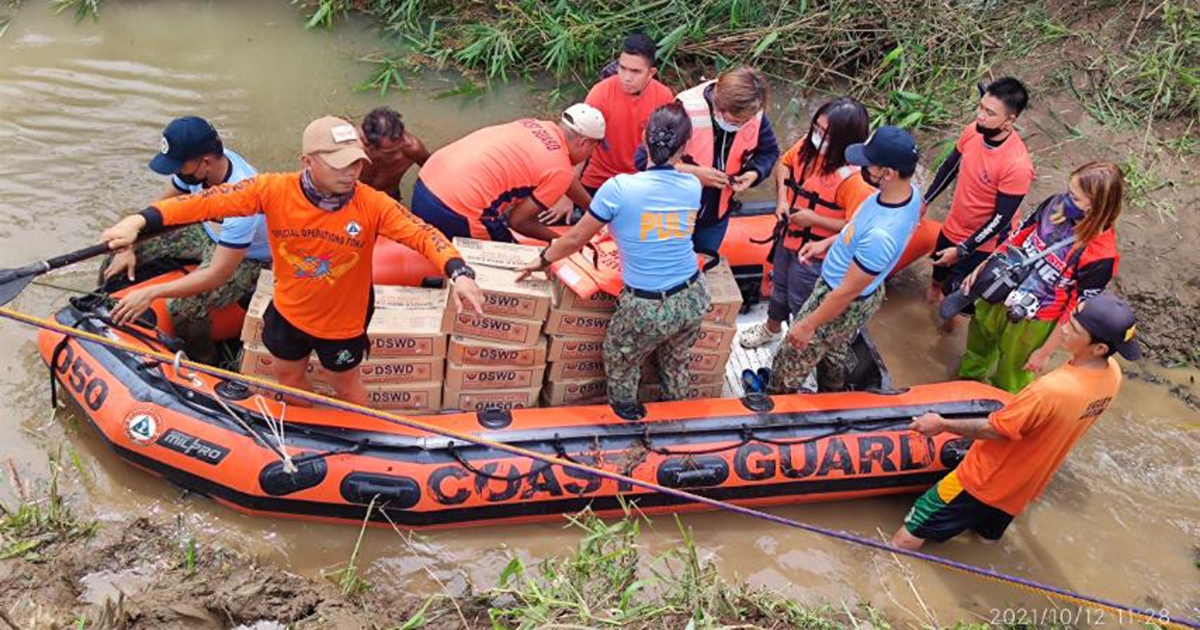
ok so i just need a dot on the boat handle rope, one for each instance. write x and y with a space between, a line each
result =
1125 611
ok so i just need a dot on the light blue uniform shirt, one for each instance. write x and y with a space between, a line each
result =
248 233
873 239
651 215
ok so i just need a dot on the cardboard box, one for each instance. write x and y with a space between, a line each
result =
503 399
495 253
384 371
700 363
408 323
465 351
415 399
575 392
567 300
565 348
505 297
726 296
407 333
653 392
578 324
518 332
715 339
473 377
575 369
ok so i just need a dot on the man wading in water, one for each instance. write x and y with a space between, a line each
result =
1018 449
322 227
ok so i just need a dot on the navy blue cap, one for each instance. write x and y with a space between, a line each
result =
185 138
890 147
1110 321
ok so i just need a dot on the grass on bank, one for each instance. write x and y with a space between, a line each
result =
40 518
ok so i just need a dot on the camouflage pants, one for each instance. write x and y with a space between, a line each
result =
829 347
189 315
642 327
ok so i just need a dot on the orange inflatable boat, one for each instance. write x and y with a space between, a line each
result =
754 221
219 439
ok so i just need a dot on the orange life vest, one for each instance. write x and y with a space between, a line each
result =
817 192
699 149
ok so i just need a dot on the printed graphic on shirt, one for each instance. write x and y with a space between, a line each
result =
328 267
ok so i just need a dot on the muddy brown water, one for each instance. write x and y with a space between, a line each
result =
81 109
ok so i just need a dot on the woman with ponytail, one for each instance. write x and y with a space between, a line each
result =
651 215
1018 336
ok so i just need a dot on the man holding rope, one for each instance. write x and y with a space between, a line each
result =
1018 449
321 226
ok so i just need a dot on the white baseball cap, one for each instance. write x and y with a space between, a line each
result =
584 120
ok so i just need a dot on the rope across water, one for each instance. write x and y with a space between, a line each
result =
1123 612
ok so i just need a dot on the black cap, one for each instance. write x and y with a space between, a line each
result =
185 138
890 147
1109 319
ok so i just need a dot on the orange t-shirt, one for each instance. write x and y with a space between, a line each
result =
321 258
625 119
983 173
495 167
1040 426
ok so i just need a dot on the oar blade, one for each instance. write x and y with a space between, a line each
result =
12 287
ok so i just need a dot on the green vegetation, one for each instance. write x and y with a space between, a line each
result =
39 520
909 62
1154 74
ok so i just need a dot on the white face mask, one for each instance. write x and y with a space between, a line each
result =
818 140
725 126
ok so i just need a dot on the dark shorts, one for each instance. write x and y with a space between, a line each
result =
431 210
285 341
952 276
947 510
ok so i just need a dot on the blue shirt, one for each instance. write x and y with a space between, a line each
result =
235 232
873 239
651 215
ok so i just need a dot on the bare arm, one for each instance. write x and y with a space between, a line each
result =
932 424
782 191
224 262
564 246
578 194
524 219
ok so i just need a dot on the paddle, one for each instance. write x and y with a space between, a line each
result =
13 281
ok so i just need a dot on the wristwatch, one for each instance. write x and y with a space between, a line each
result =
542 257
963 252
464 270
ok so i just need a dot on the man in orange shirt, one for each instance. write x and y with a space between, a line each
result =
994 174
626 100
501 178
321 227
1019 448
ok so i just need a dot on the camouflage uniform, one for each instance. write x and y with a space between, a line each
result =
828 349
189 315
667 328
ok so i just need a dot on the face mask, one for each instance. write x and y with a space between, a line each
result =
818 140
725 126
191 179
866 175
1071 211
988 132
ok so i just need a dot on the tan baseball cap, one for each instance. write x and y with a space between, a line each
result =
584 120
334 140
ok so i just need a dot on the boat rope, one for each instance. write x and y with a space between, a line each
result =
1125 612
275 426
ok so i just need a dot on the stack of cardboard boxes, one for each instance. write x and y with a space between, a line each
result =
576 330
408 348
498 359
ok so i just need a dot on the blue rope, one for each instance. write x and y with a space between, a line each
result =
1146 614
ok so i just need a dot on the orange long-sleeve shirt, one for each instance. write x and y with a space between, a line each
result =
321 258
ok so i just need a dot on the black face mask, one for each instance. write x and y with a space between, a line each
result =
988 132
190 179
866 175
